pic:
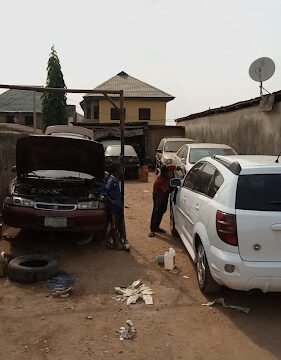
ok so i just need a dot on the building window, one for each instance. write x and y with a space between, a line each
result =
28 120
144 114
115 114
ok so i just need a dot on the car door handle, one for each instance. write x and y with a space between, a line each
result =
275 227
184 199
196 207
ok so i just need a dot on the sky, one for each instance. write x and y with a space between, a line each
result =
198 51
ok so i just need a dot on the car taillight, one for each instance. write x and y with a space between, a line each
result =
226 228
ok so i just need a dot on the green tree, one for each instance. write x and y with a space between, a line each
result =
54 104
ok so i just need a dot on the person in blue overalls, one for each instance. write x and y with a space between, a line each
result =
112 194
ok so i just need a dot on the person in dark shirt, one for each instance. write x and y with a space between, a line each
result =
161 191
111 192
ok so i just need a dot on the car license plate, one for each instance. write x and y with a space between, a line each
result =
55 222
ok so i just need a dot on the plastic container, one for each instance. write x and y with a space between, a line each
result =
170 259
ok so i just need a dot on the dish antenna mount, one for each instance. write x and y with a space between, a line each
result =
261 70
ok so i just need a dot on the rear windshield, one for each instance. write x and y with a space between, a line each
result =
259 192
116 149
174 146
197 154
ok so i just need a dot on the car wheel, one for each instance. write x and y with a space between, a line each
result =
31 268
205 280
172 223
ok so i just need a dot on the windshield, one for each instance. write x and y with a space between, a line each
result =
59 174
173 146
199 153
116 149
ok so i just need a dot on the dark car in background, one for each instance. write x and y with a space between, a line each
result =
132 163
57 186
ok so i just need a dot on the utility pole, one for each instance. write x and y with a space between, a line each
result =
34 111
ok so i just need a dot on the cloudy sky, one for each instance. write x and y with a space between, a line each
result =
199 51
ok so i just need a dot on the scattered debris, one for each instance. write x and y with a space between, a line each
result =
89 317
160 259
186 277
3 264
128 331
137 290
174 271
222 302
61 285
146 191
86 240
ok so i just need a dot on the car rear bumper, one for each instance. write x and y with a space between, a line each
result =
77 220
263 275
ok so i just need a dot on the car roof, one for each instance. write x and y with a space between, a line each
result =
208 146
178 139
250 164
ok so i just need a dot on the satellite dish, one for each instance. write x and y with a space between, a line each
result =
261 70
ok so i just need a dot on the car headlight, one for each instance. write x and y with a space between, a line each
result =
19 201
88 205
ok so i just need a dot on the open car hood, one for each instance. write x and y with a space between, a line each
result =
59 153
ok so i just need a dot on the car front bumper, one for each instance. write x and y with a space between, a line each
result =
34 219
263 275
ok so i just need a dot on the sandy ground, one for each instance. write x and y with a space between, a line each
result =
177 326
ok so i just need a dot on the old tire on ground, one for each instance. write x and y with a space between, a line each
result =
31 268
204 277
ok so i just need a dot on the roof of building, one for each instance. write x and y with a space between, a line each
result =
19 101
133 88
224 109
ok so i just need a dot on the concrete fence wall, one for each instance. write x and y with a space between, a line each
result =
248 131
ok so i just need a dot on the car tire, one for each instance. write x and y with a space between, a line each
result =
172 223
204 277
32 268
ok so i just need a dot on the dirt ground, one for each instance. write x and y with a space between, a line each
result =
37 326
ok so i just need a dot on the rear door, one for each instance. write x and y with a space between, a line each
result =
258 215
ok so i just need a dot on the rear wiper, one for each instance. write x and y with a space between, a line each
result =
275 202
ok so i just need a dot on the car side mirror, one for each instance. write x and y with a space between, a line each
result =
183 160
14 169
175 182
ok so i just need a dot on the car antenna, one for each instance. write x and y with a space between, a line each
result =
277 160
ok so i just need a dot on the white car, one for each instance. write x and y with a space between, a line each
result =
227 211
167 149
189 154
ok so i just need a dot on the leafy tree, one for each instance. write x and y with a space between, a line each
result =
54 104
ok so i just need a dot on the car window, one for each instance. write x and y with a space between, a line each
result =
174 146
161 145
261 192
181 152
190 180
185 152
204 179
115 150
199 153
215 184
